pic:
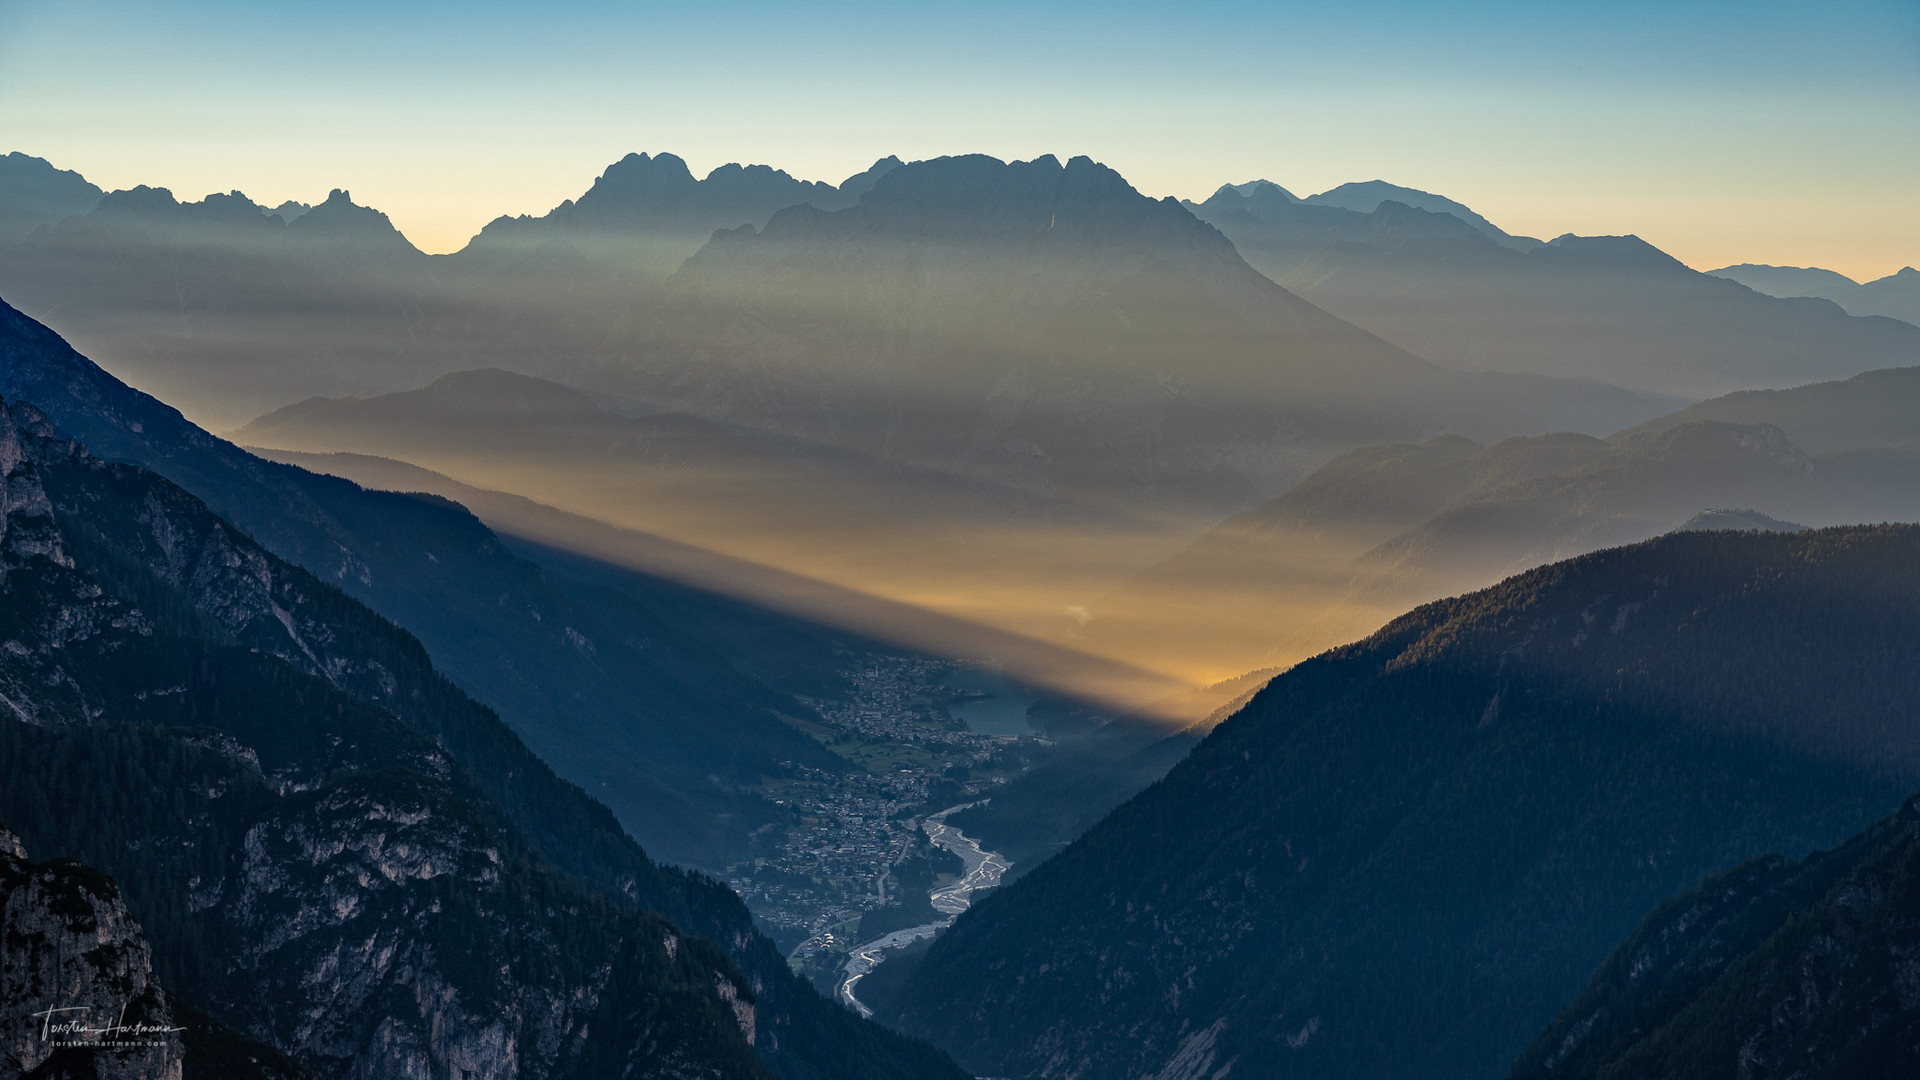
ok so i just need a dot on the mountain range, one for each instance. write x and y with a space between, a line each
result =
1385 528
1612 308
647 213
1897 295
936 392
37 195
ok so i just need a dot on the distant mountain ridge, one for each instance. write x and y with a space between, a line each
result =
1367 196
656 195
1386 527
224 300
1006 289
1610 308
1896 296
34 194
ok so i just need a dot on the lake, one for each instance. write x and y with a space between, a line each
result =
1005 713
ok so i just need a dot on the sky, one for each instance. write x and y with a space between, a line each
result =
1785 133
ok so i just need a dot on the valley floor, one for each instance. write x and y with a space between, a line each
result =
860 851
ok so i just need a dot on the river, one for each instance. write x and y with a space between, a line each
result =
983 870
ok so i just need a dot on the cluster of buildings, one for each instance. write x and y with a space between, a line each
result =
831 860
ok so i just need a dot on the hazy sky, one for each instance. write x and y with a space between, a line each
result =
1723 132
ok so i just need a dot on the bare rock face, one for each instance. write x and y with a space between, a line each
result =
77 990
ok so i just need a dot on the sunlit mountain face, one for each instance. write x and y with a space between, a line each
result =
1027 541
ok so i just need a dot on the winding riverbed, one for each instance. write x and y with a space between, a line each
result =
983 871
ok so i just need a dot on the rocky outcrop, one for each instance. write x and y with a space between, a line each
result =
78 995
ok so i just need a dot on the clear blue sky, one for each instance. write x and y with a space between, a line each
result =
1724 132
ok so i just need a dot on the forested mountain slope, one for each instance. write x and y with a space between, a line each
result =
282 786
1776 968
1405 855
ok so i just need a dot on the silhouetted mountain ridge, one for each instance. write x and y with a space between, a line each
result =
969 307
1610 308
1896 296
34 194
1365 197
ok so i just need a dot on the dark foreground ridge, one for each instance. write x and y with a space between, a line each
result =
1778 968
1404 857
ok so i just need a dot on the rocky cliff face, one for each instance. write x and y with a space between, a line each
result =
78 995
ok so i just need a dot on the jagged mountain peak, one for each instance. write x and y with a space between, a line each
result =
139 199
34 194
640 173
655 202
978 197
340 218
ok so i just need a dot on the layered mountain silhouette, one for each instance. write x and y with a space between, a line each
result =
223 301
1403 857
647 213
1798 968
1368 196
1045 326
1384 528
1867 412
1897 295
1426 274
937 391
231 307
